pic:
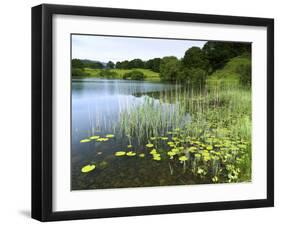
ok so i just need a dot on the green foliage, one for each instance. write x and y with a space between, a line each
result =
136 63
153 64
245 72
170 68
107 74
237 70
219 53
76 63
195 58
78 72
110 65
122 65
134 75
195 76
92 64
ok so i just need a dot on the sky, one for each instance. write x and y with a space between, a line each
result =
108 48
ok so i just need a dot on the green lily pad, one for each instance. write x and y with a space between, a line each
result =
88 168
164 138
85 141
153 138
102 139
156 157
153 151
171 143
129 146
183 158
120 153
141 155
149 145
171 153
94 137
109 136
130 153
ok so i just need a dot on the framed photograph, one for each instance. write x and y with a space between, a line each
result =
146 112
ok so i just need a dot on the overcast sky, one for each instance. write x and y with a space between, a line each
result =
105 48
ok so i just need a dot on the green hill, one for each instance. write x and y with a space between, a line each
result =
237 70
149 75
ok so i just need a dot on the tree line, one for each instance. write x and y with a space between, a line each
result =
194 66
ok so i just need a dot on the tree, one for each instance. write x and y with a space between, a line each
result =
245 73
76 63
134 75
108 74
195 76
195 58
170 68
136 63
153 64
219 53
110 64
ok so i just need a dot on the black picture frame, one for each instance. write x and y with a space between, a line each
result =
42 107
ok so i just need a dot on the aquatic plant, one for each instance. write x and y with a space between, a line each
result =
88 168
85 140
120 153
131 153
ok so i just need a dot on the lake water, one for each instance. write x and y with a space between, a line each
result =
96 108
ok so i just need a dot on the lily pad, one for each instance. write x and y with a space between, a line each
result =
171 153
171 143
120 153
183 158
149 145
94 137
109 136
141 155
156 158
129 146
153 151
102 139
88 168
85 141
130 153
164 138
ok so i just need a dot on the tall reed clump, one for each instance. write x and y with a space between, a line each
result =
208 129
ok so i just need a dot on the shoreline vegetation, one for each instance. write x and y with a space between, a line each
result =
214 143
